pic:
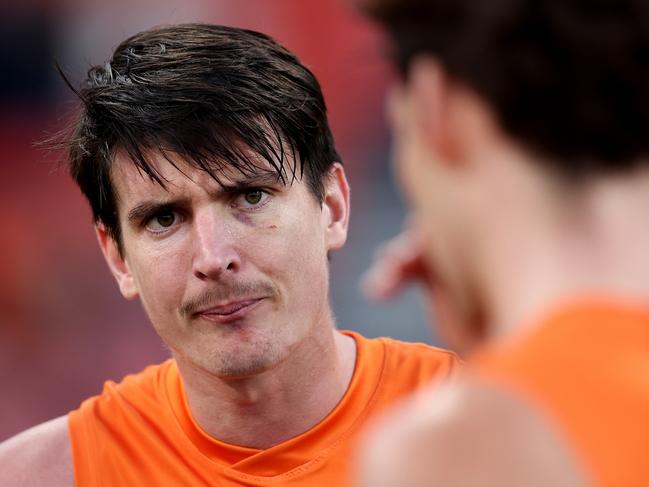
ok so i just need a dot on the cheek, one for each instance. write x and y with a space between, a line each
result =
161 279
291 249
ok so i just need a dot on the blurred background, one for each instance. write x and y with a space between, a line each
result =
64 327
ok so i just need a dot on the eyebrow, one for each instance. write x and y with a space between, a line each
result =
147 208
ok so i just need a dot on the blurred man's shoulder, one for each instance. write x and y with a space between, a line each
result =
39 456
467 433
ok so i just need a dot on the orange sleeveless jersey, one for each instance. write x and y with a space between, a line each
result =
141 432
587 369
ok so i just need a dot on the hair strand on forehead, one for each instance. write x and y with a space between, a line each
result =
216 97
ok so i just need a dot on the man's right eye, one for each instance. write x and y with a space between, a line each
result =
162 221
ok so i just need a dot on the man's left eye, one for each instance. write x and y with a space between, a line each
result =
253 197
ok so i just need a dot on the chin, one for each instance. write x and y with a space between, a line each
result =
244 362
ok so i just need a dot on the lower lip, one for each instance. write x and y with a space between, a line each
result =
231 317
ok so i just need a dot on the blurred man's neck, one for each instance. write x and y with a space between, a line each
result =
537 252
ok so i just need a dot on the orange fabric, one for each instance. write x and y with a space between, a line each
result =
140 432
587 368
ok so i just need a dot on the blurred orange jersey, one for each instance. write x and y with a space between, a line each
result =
141 432
586 367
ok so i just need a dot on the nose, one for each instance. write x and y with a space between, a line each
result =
215 246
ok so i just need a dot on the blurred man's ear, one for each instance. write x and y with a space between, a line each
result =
430 90
116 263
336 206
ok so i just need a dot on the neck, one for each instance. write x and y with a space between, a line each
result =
277 404
574 242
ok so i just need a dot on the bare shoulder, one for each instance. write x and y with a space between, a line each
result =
466 434
39 456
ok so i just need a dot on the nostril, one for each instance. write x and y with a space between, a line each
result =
208 267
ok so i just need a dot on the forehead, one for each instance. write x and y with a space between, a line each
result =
177 175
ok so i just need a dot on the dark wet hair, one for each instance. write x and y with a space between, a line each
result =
567 78
217 96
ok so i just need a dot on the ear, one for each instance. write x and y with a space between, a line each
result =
336 207
431 105
116 263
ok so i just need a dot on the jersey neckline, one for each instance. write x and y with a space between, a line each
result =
297 454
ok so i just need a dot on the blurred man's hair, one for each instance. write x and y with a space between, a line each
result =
567 78
215 96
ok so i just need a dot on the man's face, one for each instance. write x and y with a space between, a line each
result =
233 277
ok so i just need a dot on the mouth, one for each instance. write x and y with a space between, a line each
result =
229 312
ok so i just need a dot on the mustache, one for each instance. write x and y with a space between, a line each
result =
227 292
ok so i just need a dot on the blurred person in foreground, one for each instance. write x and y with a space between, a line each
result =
522 143
217 195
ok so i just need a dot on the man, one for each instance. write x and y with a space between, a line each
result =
217 192
522 142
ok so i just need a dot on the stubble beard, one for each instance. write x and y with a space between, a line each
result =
244 360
